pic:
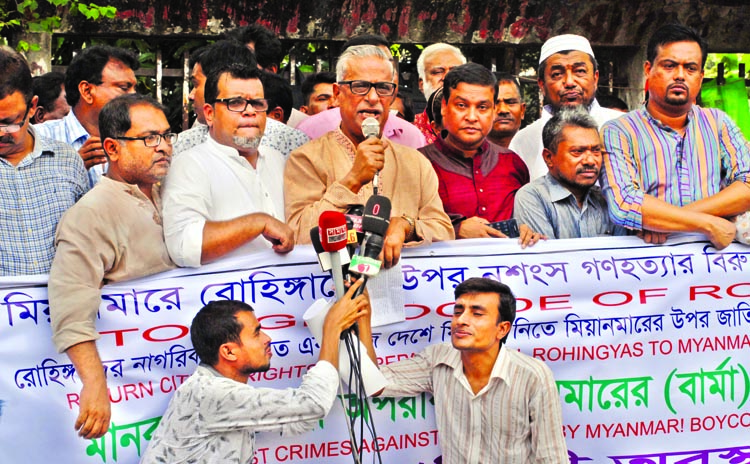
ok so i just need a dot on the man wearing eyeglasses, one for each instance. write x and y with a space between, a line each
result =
225 195
113 233
40 178
337 170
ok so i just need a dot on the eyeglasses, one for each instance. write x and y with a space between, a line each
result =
153 140
383 89
13 128
239 104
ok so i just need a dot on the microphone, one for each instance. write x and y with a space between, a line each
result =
375 222
354 214
333 236
324 259
371 128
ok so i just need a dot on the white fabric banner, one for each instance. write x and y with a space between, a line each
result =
649 346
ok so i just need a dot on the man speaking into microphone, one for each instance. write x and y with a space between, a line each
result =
336 171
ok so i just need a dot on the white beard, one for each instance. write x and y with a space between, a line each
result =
248 143
427 89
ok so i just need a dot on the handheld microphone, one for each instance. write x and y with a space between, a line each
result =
333 238
375 222
371 128
324 259
354 214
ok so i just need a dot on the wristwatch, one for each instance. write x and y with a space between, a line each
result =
412 227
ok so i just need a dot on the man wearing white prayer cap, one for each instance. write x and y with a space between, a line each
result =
568 75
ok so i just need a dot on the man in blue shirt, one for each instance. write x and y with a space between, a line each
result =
39 178
565 202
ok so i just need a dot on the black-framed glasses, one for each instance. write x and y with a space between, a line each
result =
383 89
15 127
239 104
153 140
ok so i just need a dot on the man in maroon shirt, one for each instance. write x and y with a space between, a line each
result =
478 180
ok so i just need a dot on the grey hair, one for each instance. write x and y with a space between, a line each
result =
361 51
574 116
434 48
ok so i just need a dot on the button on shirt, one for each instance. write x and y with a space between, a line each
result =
212 182
646 157
515 419
34 195
70 130
551 209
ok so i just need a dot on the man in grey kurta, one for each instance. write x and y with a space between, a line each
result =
113 233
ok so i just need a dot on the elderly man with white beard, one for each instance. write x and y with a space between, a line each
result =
226 195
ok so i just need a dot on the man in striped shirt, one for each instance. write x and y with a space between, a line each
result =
492 404
673 166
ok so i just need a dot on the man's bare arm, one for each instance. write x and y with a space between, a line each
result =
222 237
94 409
660 216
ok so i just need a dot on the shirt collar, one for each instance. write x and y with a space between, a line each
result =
345 142
556 191
74 127
500 370
445 148
134 191
226 150
693 110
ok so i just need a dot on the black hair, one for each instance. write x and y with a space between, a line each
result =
433 107
114 118
469 73
267 46
48 87
308 86
507 302
507 77
89 64
610 101
222 53
672 33
16 75
216 324
567 116
278 92
236 71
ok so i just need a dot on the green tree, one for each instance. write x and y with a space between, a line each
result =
42 16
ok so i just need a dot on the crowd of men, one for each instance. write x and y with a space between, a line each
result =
96 188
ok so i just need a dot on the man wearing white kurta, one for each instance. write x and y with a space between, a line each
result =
568 76
225 196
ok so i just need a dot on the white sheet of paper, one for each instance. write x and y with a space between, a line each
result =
387 296
371 377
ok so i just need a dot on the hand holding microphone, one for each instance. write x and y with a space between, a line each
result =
369 159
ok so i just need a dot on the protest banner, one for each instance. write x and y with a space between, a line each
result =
649 345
